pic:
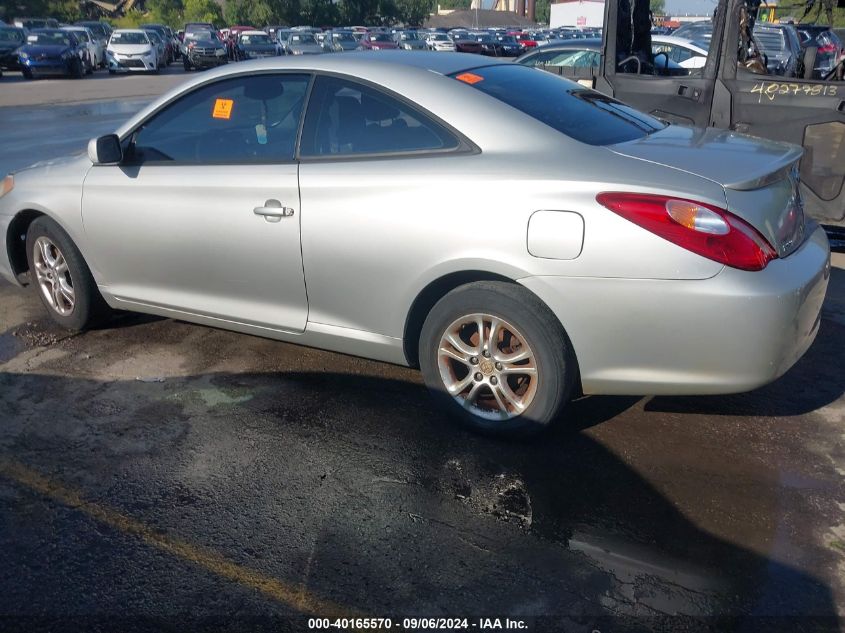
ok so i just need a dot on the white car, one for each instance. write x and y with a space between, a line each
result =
687 53
439 42
96 52
131 50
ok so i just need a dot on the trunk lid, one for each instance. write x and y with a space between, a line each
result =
759 177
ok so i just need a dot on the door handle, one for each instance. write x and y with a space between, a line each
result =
690 93
273 211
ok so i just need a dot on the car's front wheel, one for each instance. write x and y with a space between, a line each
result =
496 358
63 279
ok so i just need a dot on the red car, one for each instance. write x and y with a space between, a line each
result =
377 42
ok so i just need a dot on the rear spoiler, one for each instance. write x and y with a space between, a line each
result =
785 164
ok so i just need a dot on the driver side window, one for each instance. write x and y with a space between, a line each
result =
235 121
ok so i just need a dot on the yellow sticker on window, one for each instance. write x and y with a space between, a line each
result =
222 109
469 78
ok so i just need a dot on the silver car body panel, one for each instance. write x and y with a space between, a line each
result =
370 234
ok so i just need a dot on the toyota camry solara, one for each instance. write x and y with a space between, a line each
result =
518 237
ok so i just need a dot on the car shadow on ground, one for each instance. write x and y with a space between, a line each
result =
611 550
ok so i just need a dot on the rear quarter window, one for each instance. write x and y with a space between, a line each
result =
582 114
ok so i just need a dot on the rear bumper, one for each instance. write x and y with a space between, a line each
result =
731 333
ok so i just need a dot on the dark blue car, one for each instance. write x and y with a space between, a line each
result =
52 52
11 39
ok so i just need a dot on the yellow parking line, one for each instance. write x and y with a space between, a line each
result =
294 596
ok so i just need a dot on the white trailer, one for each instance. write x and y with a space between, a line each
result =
578 13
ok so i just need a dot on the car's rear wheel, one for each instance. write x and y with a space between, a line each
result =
497 359
77 71
64 282
27 73
186 64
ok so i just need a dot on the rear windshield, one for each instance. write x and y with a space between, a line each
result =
582 114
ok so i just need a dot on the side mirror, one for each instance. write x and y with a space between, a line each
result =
105 150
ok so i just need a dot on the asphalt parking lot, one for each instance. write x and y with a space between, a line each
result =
159 474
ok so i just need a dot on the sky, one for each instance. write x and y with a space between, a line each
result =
693 7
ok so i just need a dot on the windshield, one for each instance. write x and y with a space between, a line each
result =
483 37
201 34
49 39
154 37
256 39
440 37
80 35
507 39
96 28
410 35
379 37
303 38
581 114
343 37
11 35
129 38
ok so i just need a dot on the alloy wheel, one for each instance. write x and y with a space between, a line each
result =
487 366
53 275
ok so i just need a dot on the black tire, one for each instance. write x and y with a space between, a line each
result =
89 307
112 71
78 70
27 73
556 366
186 64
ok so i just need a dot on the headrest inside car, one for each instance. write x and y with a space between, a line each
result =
377 110
263 89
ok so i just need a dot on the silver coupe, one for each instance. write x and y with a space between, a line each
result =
518 237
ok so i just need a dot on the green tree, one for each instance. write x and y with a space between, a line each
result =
413 12
542 11
658 7
454 4
203 11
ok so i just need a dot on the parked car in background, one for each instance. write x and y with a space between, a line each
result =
556 55
162 54
377 41
171 47
509 46
410 40
203 49
440 42
257 44
36 23
95 56
781 45
339 41
623 236
696 31
302 43
52 52
829 53
11 39
467 44
686 53
131 50
492 47
101 30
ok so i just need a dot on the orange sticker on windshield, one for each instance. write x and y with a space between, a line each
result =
469 78
223 109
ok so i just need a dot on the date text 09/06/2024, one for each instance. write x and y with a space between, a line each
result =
412 624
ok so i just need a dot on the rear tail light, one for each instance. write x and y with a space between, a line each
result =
704 229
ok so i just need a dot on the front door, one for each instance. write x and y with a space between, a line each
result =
203 216
650 82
